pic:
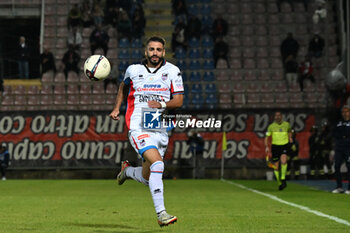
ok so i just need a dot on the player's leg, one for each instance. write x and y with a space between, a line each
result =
156 186
338 160
276 161
284 167
347 160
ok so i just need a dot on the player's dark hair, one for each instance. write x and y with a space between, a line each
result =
156 39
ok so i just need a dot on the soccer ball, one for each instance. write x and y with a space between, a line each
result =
97 68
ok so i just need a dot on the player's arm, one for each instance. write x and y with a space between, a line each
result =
119 100
175 102
266 142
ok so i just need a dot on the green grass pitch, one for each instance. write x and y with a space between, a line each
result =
200 205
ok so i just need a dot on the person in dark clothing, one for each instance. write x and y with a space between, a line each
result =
23 58
325 147
74 17
99 39
4 161
47 61
179 7
178 37
193 28
293 157
138 22
313 149
71 60
306 70
220 27
316 46
196 143
342 148
289 46
221 49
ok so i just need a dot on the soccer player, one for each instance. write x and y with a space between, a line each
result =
281 136
342 148
155 84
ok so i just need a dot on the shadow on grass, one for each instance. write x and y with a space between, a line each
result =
118 227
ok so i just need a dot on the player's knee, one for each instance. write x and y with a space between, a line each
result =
157 167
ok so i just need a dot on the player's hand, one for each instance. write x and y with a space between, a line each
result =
291 140
267 150
115 115
154 104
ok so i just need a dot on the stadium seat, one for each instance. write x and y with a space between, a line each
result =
274 30
281 97
33 102
46 89
193 42
235 64
60 78
72 77
236 75
208 76
253 98
19 90
98 99
263 63
59 89
73 89
20 100
205 9
249 64
239 100
267 87
210 88
262 41
111 88
247 19
123 54
259 8
248 30
196 88
194 54
261 31
123 65
123 43
277 75
180 53
276 63
136 54
136 43
209 64
235 53
181 64
207 42
248 52
253 87
267 98
207 53
193 9
238 88
264 75
195 76
113 43
85 88
59 100
194 65
260 19
85 99
222 75
224 88
261 52
250 75
225 99
280 87
73 100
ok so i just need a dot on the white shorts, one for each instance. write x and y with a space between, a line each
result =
142 141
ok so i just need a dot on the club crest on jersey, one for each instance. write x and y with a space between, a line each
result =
164 76
143 142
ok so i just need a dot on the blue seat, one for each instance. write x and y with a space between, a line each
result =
186 89
123 54
195 65
208 64
196 88
205 9
208 76
211 99
207 53
197 99
136 54
121 77
181 64
210 88
123 43
180 53
123 65
193 42
193 9
194 53
136 43
207 41
195 76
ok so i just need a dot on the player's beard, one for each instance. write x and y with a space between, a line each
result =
153 62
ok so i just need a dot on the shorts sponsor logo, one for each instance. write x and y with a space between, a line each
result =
143 142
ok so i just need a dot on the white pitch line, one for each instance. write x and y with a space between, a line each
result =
307 209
